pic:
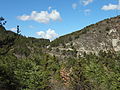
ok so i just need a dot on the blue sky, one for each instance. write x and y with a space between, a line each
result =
53 18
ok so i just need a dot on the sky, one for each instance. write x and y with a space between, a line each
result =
53 18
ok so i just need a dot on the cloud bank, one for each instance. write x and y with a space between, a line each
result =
42 17
49 34
111 7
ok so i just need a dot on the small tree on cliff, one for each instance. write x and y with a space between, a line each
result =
2 22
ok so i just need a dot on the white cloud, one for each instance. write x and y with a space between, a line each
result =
31 26
42 17
87 11
49 8
111 7
24 17
74 5
49 34
13 29
86 2
54 15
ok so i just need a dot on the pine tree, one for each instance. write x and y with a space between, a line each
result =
18 30
2 22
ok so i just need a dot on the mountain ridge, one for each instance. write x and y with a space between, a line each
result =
103 35
80 31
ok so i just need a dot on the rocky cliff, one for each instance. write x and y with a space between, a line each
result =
104 35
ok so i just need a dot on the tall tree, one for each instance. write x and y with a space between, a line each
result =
18 30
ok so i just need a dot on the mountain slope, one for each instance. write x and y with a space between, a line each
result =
104 35
24 62
19 45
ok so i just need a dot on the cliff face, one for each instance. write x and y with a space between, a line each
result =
104 35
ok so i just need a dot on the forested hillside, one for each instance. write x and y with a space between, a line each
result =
27 63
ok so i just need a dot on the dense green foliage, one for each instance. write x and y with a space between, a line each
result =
90 72
27 74
23 63
93 72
